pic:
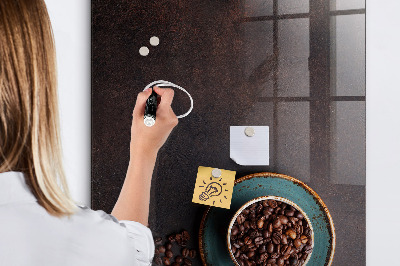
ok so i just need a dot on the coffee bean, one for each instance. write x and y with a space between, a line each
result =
276 238
297 243
270 227
291 233
270 248
258 241
275 255
307 249
276 223
292 261
178 239
158 260
185 252
287 251
264 257
185 235
272 203
158 240
235 230
187 261
260 223
166 261
168 246
250 254
253 225
278 249
192 253
293 220
280 261
283 219
259 208
169 254
237 253
304 239
240 219
178 259
175 264
184 243
161 249
299 215
289 212
284 240
262 249
171 238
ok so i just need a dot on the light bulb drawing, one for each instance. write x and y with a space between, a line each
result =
213 189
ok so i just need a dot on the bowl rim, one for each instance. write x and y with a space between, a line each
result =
263 198
329 260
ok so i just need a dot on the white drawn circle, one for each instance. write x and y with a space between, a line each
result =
154 41
143 51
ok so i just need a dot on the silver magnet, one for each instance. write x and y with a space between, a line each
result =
249 131
216 172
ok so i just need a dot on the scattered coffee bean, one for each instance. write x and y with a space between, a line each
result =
171 238
161 249
181 239
187 261
192 253
169 254
158 240
166 261
270 232
185 252
158 260
185 235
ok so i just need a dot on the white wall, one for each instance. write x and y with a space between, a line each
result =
71 23
71 26
383 131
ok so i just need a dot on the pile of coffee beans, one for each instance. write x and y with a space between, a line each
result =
164 254
271 232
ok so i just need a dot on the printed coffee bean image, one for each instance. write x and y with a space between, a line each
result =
163 254
271 232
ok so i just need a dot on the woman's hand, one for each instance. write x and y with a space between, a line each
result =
150 139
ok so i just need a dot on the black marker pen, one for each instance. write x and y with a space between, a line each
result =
150 109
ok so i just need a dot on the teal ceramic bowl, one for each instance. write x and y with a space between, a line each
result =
247 204
215 221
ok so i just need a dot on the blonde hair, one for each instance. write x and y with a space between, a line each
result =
29 118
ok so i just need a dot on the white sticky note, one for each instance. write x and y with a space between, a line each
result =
245 150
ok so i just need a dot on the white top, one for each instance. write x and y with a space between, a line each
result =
31 236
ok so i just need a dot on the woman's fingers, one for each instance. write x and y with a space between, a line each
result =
167 95
141 103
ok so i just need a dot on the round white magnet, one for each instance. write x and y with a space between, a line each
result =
249 131
154 41
143 51
216 172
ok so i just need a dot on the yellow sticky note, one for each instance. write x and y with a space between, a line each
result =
214 191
